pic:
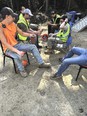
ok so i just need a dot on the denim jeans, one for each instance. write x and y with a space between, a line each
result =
26 48
81 59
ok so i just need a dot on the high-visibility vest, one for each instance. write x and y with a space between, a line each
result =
63 35
26 23
54 20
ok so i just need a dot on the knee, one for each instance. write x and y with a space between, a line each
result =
17 57
66 62
34 46
73 48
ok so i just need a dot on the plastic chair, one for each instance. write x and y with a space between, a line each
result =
80 68
4 57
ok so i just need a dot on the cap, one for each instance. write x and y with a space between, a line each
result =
53 12
27 11
7 11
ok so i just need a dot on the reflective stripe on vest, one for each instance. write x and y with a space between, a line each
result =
22 20
64 35
54 20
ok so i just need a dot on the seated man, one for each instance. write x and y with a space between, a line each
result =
53 24
8 30
81 59
59 37
21 11
24 24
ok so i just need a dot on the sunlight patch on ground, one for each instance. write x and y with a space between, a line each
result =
56 51
67 80
44 82
3 78
70 83
84 78
33 72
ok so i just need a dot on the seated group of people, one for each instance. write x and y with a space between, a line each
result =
12 47
61 36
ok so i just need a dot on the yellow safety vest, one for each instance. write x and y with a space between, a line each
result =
64 35
22 20
54 20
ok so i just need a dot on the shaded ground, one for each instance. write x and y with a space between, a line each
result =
37 95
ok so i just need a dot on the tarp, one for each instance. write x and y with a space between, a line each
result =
80 25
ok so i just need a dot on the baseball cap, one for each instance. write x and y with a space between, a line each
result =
7 11
27 11
53 12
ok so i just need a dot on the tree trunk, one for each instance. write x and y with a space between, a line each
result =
11 4
46 6
29 4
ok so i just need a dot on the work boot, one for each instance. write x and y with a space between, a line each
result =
23 73
55 76
45 65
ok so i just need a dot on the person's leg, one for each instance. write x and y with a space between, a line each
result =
50 45
17 59
74 50
50 42
49 29
79 60
30 48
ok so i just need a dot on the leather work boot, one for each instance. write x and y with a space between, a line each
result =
55 76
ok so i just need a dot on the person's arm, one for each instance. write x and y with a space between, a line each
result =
62 26
32 31
22 27
35 32
25 34
3 40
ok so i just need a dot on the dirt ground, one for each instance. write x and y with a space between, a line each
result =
37 95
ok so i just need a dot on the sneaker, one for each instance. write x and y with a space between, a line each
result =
23 73
45 65
55 76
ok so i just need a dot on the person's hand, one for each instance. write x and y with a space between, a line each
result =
66 20
49 23
32 35
39 31
50 34
21 53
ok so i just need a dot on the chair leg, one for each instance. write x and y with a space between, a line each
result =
4 61
28 58
78 73
14 66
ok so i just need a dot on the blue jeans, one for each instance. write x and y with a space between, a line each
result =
26 48
81 59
